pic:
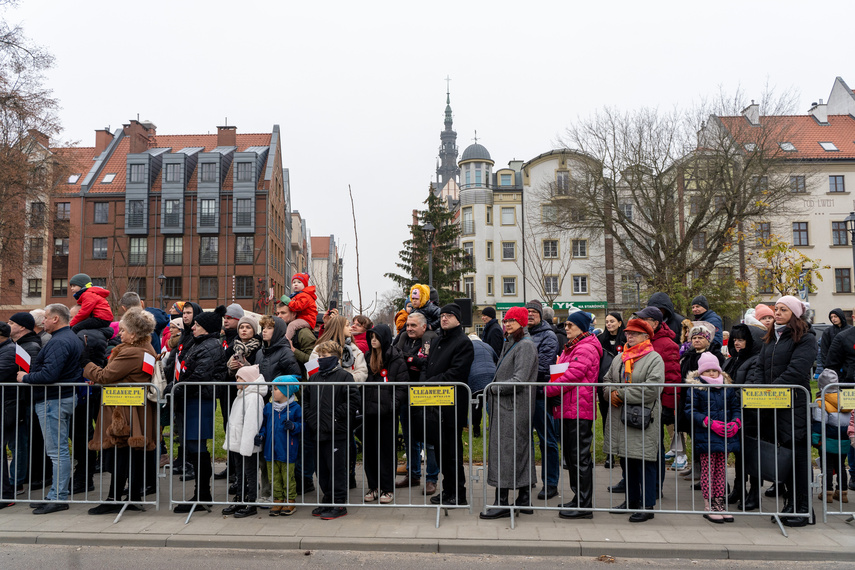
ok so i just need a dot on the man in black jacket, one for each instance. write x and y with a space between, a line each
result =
492 333
22 327
8 370
58 363
449 358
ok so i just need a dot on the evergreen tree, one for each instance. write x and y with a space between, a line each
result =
449 260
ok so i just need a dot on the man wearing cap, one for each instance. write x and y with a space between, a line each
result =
547 347
22 327
449 358
11 414
492 333
701 312
57 363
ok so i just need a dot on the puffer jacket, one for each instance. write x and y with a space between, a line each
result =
583 366
93 303
279 443
841 355
276 358
383 400
204 362
831 332
247 413
783 361
426 307
546 342
483 368
665 346
718 403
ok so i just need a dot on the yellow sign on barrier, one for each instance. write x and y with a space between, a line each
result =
431 395
766 398
847 400
117 396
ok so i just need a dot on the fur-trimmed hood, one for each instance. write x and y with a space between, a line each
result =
424 295
694 377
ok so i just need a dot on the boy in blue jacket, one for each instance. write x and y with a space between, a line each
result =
283 421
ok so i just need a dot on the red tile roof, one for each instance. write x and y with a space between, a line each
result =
805 133
80 161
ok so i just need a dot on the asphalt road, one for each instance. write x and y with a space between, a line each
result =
39 557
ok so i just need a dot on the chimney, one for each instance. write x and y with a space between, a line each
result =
39 137
103 138
752 113
819 111
226 136
140 135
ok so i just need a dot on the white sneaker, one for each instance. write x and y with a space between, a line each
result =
670 455
680 463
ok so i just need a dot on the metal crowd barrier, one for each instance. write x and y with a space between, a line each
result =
434 414
835 449
771 403
28 440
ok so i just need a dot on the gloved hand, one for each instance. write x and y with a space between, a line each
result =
718 427
816 376
289 425
259 439
617 401
733 427
84 357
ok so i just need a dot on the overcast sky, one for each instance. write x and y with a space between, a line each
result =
359 92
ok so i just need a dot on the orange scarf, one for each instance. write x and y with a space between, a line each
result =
632 353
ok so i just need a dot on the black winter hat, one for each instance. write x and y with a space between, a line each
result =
650 313
452 308
702 301
212 321
25 320
536 305
5 330
489 312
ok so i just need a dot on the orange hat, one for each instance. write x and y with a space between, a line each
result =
639 325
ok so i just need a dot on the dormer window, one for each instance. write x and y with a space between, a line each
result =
73 178
108 178
209 172
828 146
244 171
787 147
137 173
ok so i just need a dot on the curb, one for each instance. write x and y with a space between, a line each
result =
439 546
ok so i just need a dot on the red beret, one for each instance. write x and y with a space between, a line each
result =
519 314
639 325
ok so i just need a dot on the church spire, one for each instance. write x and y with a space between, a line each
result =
447 168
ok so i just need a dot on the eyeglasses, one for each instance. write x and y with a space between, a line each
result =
506 321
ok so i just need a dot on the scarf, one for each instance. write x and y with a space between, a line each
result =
245 347
632 353
574 341
710 380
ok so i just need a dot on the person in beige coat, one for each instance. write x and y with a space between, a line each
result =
130 430
637 447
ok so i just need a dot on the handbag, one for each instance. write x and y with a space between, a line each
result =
636 416
772 458
158 380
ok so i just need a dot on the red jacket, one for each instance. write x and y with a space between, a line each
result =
664 345
304 305
584 366
93 303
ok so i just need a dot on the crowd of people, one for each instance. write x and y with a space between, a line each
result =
291 394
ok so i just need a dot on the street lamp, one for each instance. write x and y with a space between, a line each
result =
850 225
428 230
638 289
161 279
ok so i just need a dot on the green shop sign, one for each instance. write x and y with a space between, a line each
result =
561 305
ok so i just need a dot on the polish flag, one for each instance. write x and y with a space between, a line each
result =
556 371
22 359
312 367
179 368
148 364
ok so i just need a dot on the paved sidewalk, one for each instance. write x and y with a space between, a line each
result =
413 530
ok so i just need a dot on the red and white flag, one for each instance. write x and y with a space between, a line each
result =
179 368
312 367
22 359
148 364
556 371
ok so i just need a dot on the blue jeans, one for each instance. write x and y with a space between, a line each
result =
545 426
414 453
55 419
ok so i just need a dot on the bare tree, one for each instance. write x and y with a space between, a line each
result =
672 189
360 309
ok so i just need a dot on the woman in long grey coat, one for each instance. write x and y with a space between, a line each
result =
510 463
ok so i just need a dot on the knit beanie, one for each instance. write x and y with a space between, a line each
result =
489 312
763 310
519 314
178 306
249 373
234 311
211 321
702 301
580 319
179 322
250 320
451 308
793 304
25 320
81 280
708 361
537 306
700 330
301 277
5 330
288 385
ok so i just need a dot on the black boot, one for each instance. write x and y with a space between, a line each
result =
583 498
752 499
204 472
802 506
524 500
501 501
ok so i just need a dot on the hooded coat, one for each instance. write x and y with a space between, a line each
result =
426 307
831 332
304 305
510 463
279 443
204 362
245 418
124 426
664 344
718 403
276 358
329 410
184 344
93 303
385 400
583 366
673 319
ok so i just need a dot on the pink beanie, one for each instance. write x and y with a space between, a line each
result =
793 304
763 310
708 361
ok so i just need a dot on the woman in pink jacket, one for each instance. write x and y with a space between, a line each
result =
582 355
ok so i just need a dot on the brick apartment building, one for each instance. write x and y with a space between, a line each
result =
173 217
